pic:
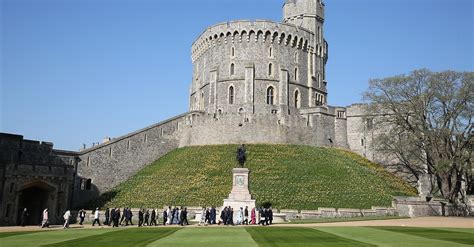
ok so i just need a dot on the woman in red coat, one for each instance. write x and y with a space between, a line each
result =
252 216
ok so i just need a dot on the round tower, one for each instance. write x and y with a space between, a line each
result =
309 14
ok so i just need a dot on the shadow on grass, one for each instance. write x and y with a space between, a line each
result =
129 237
283 236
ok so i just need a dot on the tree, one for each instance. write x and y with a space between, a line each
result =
425 121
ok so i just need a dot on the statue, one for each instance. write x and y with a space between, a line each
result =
241 156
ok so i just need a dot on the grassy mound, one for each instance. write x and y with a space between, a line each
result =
288 176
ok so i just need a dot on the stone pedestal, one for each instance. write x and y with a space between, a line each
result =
240 197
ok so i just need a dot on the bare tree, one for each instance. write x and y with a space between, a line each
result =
425 121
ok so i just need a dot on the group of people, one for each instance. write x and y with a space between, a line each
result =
261 216
175 216
171 216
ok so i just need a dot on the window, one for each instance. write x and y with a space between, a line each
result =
231 95
270 69
145 139
270 95
341 114
362 142
88 161
370 123
270 52
297 99
110 152
232 52
128 144
232 69
88 185
318 78
296 74
296 57
82 184
202 101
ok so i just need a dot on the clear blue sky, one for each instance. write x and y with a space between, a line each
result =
75 71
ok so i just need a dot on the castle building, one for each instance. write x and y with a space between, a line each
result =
253 82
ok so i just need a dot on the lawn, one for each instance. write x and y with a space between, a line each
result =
244 236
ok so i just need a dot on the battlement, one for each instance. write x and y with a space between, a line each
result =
253 31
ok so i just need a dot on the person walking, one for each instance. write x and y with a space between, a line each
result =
96 217
203 217
107 217
239 216
246 215
44 222
117 217
165 216
213 215
24 217
112 216
140 218
82 216
66 217
252 216
147 217
153 218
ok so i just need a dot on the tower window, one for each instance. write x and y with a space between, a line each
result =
270 95
270 52
231 95
296 74
232 69
270 69
341 114
297 99
232 52
296 57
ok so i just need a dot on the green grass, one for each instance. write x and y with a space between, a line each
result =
288 176
206 237
451 236
130 237
330 220
48 237
9 234
245 236
282 236
380 237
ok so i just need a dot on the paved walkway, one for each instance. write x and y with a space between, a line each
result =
454 222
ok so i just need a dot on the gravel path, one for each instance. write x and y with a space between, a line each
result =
454 222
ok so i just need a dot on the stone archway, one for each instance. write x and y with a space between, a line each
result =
35 196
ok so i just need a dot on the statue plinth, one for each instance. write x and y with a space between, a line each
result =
240 196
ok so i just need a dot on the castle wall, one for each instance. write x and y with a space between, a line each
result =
112 163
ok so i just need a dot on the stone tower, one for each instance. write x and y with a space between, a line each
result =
309 14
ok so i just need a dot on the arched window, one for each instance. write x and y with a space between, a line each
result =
297 99
88 184
296 74
231 95
270 69
270 95
232 69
